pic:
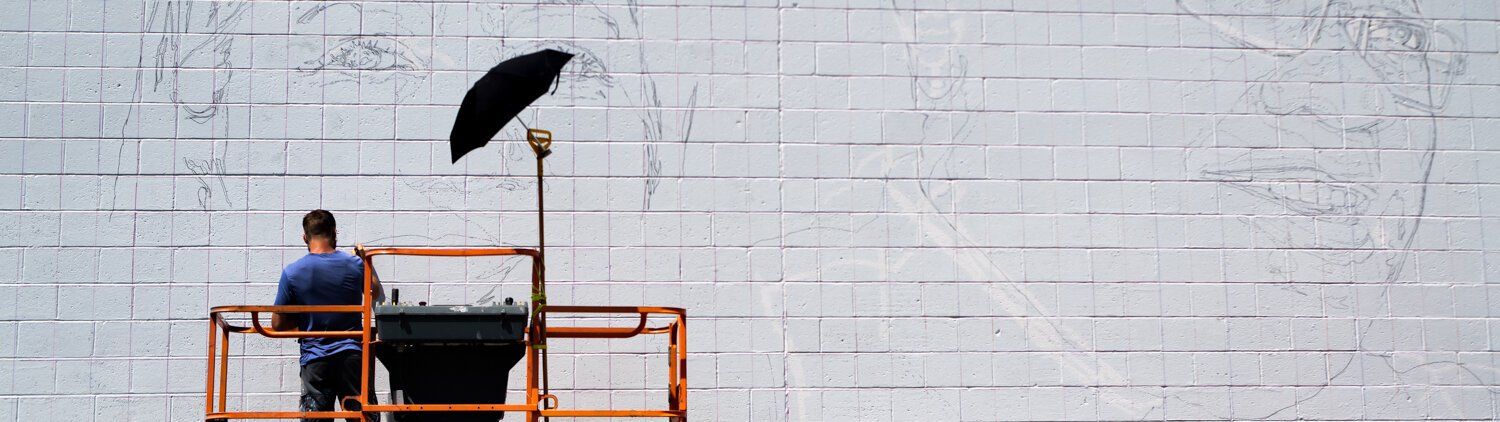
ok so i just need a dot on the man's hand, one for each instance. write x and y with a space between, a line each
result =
375 289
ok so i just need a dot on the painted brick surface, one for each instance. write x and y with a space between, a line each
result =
962 210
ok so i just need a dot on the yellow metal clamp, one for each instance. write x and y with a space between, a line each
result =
540 141
539 300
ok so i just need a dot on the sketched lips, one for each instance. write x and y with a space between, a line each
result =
1301 186
1313 199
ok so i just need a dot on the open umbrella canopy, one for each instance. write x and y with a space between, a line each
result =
500 95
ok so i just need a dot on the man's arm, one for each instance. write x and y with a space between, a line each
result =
283 322
284 297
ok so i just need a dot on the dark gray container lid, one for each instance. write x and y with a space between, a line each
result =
452 310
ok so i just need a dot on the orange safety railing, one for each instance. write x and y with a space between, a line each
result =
540 403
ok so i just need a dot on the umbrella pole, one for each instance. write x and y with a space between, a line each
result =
541 144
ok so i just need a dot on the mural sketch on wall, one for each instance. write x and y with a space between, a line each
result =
173 20
941 90
375 58
588 79
1350 206
180 35
208 173
1405 62
1341 206
939 83
938 77
449 225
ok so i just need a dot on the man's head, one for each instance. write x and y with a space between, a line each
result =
1351 107
319 226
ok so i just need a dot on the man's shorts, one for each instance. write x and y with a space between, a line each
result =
326 379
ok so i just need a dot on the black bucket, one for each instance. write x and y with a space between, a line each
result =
449 355
449 374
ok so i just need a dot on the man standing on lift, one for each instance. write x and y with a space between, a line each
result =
330 367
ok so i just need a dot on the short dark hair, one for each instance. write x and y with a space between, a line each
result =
319 223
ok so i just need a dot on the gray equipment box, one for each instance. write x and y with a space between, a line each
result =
489 324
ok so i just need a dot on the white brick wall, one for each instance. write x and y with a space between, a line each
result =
962 210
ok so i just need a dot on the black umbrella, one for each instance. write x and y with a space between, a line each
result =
500 95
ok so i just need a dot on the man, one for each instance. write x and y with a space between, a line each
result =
325 276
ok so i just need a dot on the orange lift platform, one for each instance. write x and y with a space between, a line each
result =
540 402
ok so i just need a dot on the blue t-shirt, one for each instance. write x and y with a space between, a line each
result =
334 278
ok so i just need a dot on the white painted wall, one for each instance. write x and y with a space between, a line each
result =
874 210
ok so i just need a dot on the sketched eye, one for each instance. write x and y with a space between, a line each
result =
1420 58
366 53
377 59
1391 35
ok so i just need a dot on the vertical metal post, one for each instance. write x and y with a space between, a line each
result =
208 400
224 372
366 389
672 392
366 366
541 144
680 332
531 395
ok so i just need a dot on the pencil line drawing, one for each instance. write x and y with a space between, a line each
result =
172 27
436 193
209 173
937 75
652 115
588 77
1412 64
656 132
370 59
351 55
173 19
1354 209
937 82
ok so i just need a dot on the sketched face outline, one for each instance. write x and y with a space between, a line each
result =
1345 203
938 74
